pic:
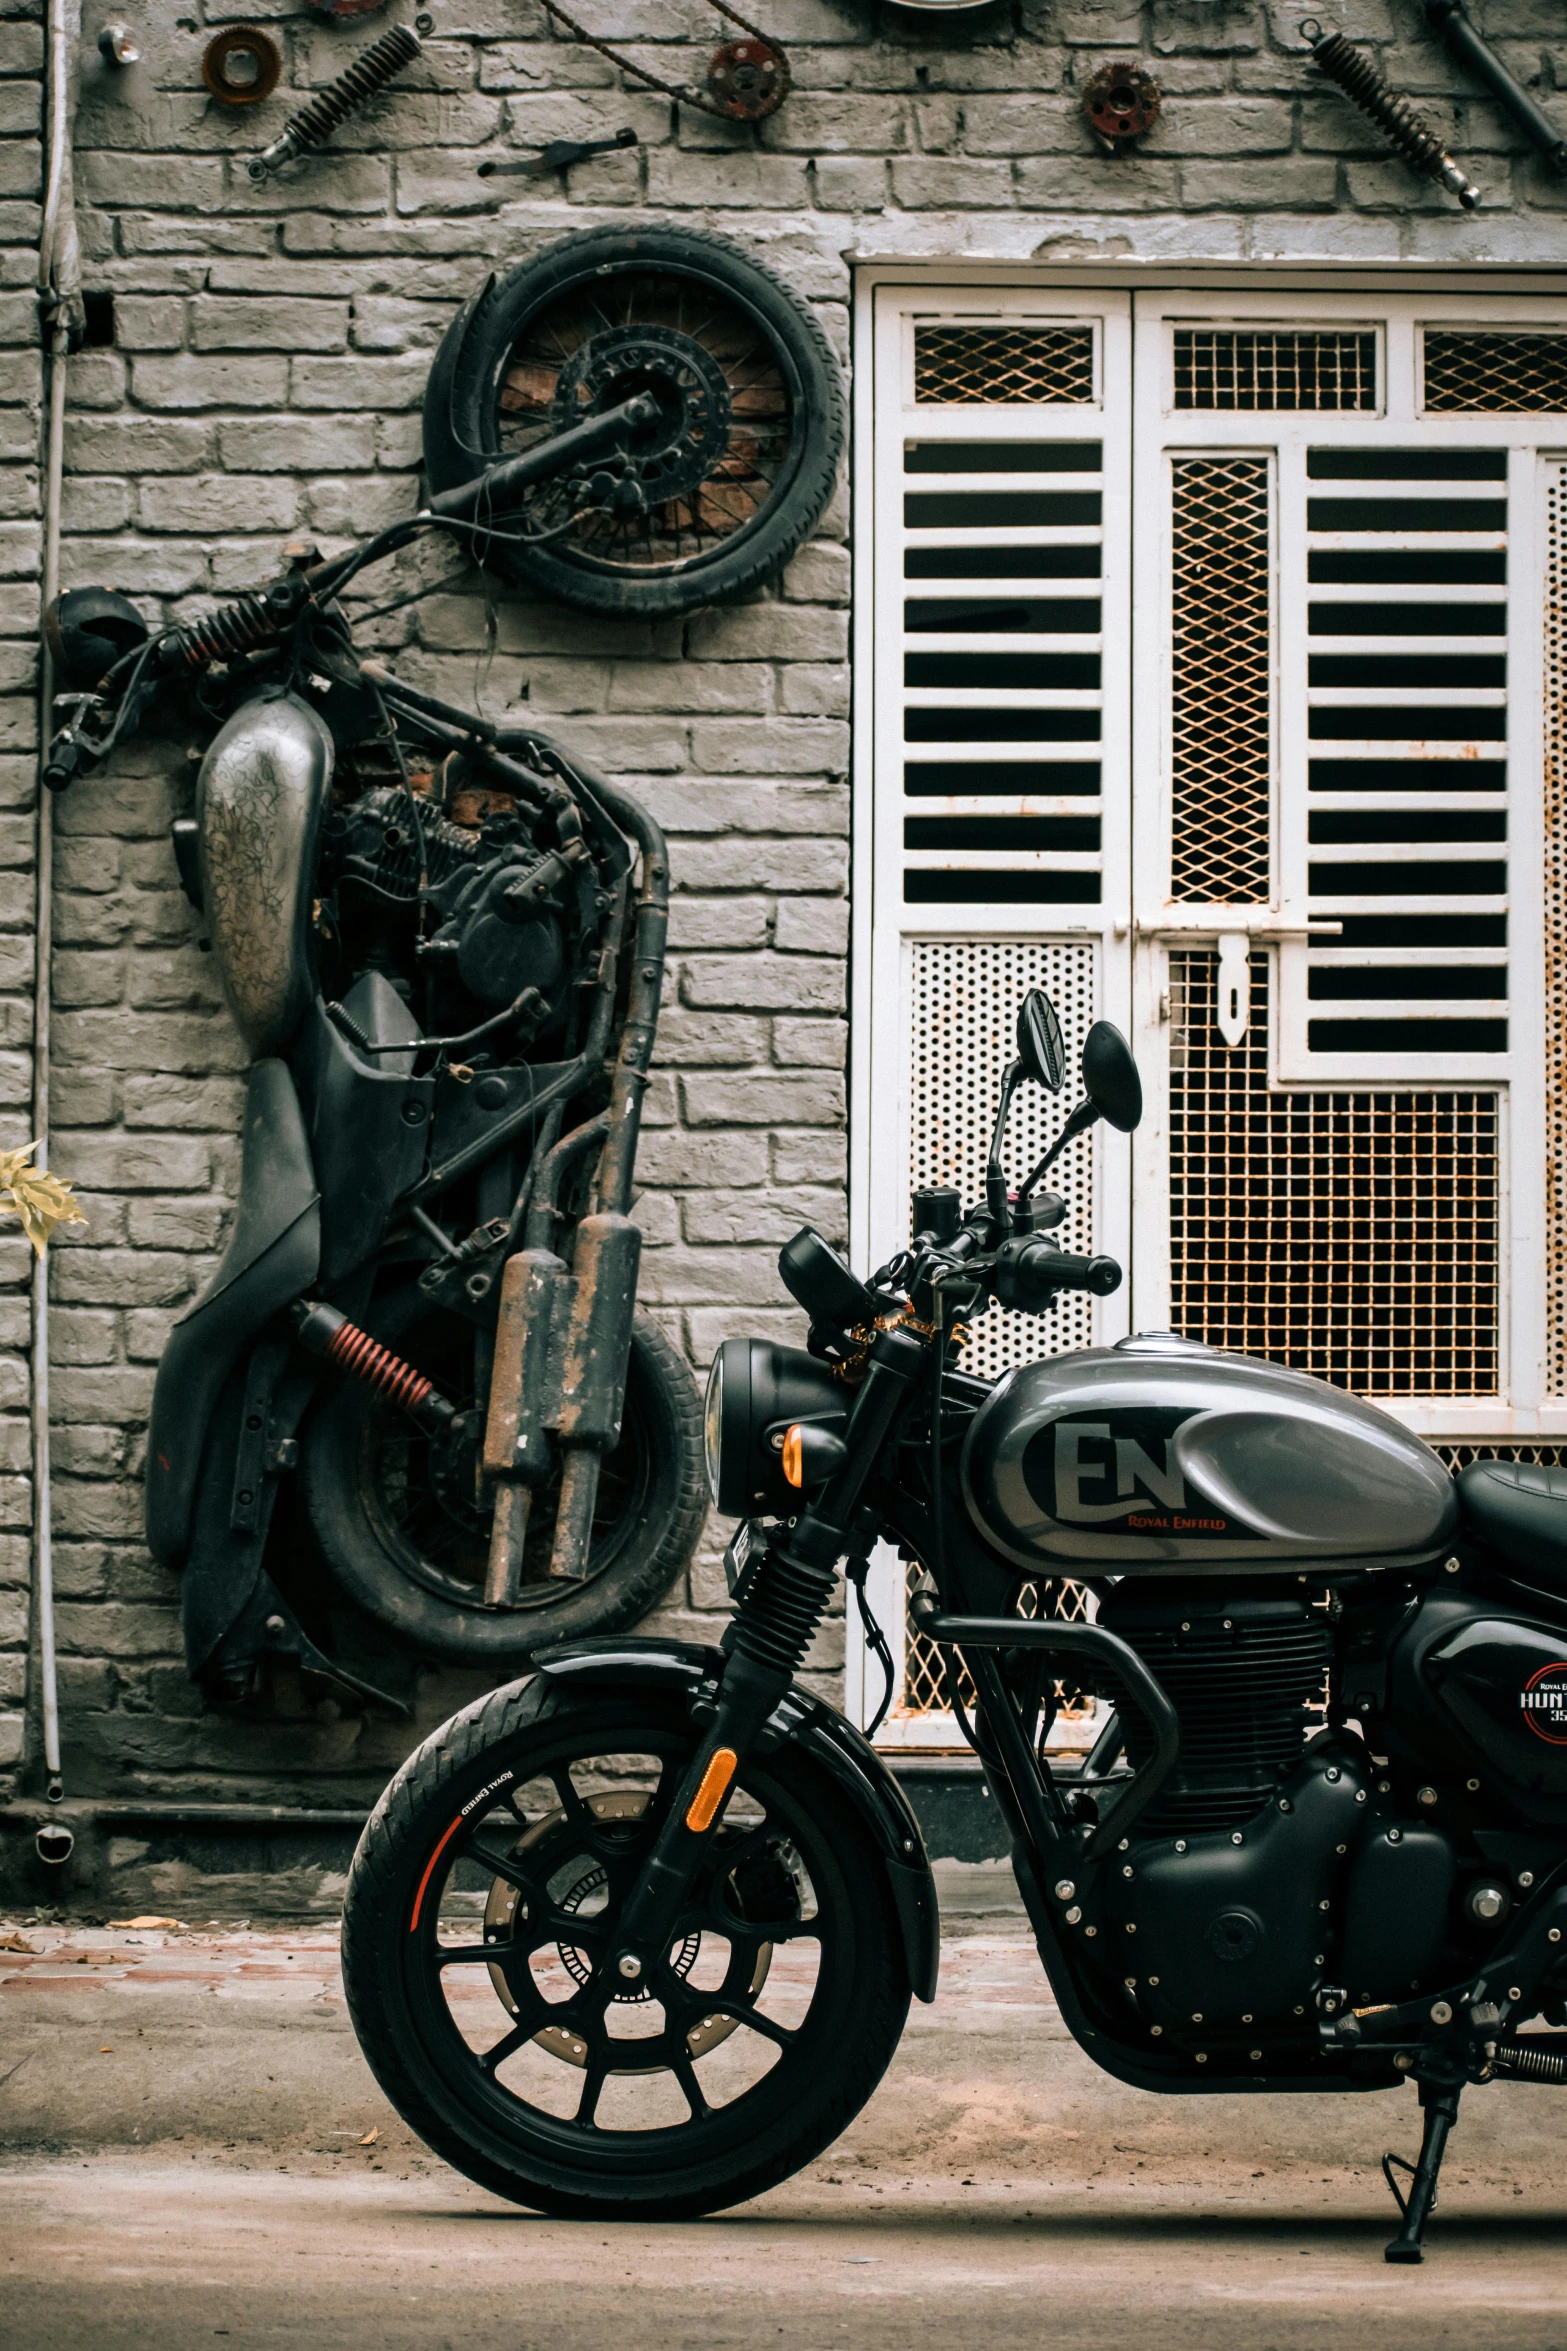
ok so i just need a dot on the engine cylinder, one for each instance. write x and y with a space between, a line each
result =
1240 1671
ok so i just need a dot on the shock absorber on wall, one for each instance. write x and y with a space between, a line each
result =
1400 123
324 1331
314 124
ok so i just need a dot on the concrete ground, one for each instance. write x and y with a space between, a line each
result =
193 2149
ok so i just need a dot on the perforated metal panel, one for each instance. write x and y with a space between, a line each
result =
1499 374
1353 1235
1274 368
1554 782
1221 685
1002 365
964 995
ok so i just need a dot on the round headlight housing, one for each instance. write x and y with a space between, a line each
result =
756 1391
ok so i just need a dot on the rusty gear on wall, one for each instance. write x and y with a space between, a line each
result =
749 79
241 65
1122 101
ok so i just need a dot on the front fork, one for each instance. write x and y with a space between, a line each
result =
775 1621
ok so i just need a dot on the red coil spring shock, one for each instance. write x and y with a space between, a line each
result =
326 1332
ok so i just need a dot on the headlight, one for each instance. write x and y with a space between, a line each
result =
755 1391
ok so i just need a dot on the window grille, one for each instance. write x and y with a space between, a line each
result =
1544 1455
1554 781
1499 374
964 995
1002 685
1221 679
925 1690
1352 1235
1407 727
1002 365
1275 368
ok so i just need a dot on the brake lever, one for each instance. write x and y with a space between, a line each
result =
559 155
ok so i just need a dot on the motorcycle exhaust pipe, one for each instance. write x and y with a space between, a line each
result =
561 1345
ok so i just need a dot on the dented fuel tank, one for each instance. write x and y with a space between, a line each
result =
1161 1456
259 800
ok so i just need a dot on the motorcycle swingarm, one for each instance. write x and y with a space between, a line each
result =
833 1744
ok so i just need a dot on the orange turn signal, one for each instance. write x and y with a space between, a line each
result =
713 1790
794 1455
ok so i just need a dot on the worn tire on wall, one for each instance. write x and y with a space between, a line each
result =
666 308
398 1534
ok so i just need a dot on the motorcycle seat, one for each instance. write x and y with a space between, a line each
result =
1520 1510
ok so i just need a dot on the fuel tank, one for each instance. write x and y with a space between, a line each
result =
1160 1456
259 799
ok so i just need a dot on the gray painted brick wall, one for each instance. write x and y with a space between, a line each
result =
270 352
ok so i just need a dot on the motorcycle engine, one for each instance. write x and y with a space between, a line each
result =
1264 1874
503 916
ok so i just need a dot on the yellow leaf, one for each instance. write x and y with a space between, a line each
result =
39 1200
370 2137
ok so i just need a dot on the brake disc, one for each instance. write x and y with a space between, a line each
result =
589 1879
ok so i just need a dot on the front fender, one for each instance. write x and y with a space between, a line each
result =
833 1744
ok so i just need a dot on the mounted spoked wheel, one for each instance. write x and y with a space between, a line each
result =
478 1940
708 499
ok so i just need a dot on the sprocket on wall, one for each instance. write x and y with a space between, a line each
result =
708 500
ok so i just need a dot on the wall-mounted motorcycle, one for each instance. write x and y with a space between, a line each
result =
442 944
1320 1844
446 973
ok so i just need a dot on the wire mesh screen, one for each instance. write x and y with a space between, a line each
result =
925 1688
964 995
1505 374
1275 368
1000 365
1544 1455
1221 688
1555 926
1353 1235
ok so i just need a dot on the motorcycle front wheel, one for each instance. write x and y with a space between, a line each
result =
478 1931
405 1526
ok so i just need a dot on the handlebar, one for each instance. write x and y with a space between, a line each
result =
1028 1273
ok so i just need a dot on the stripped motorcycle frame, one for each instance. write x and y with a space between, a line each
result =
244 1363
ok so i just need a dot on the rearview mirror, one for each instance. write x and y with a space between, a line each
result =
1110 1078
1041 1050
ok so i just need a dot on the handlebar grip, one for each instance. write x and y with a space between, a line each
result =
1059 1269
1028 1274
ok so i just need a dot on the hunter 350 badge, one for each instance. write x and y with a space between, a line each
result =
1120 1469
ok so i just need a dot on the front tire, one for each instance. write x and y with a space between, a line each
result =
477 1930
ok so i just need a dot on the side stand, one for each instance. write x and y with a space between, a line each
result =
1439 2105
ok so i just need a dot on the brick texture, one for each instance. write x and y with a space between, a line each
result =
270 350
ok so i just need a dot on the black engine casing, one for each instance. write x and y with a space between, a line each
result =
1228 1928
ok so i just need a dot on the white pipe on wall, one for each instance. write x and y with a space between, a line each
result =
60 302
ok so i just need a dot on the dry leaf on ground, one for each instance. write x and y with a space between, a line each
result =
18 1942
146 1922
370 2137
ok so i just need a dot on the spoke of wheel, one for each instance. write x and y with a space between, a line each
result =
743 2014
592 2090
503 1866
508 2045
471 1954
690 2089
